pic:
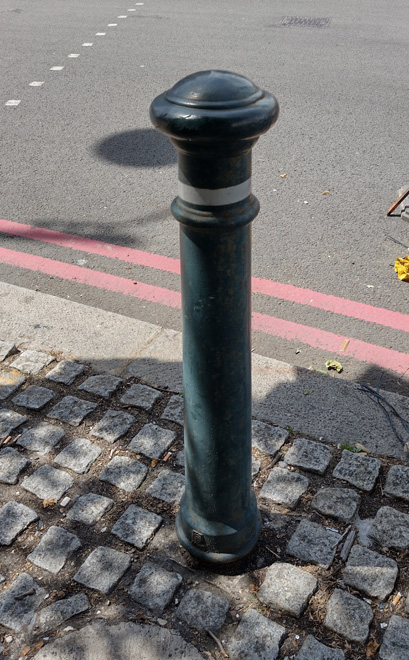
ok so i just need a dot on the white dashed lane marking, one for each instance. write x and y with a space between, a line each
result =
38 83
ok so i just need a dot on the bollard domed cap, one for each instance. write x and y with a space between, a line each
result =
214 106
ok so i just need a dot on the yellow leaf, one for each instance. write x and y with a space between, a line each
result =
326 192
371 648
284 176
402 268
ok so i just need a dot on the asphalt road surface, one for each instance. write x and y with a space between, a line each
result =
80 157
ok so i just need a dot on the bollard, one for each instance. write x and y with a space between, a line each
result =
214 118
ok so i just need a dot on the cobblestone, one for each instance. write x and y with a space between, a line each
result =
348 616
137 526
6 349
140 396
33 397
152 441
54 549
124 473
154 587
266 438
103 569
9 420
31 362
65 372
102 385
284 487
42 438
397 482
168 486
339 503
309 455
48 483
113 425
10 381
79 455
371 573
52 616
14 518
175 410
395 644
360 471
391 528
203 610
19 603
12 463
72 410
256 638
119 642
312 649
287 588
313 543
89 508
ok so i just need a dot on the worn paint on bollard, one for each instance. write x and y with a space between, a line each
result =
214 118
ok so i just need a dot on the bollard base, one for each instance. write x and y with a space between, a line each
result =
223 548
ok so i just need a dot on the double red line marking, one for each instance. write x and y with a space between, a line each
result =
328 341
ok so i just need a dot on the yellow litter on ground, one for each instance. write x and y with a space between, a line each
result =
402 268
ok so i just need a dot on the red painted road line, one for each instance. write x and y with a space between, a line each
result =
326 341
92 246
287 292
330 342
93 278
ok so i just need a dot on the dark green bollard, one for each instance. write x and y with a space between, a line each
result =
214 118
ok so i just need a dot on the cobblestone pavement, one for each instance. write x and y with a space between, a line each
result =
91 472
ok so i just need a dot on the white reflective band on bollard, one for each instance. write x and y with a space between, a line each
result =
218 197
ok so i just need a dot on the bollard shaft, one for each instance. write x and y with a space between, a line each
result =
214 118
